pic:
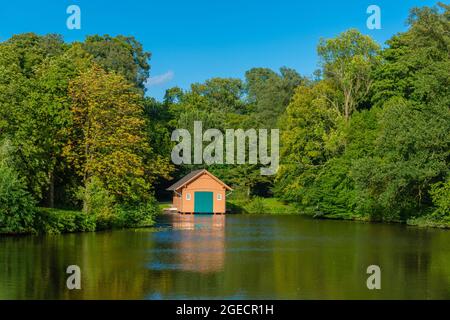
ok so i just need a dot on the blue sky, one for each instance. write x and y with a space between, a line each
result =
192 41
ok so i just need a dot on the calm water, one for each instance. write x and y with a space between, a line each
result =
231 257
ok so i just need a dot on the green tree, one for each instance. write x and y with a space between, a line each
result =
32 49
124 55
269 93
108 140
440 193
17 206
348 61
411 151
310 124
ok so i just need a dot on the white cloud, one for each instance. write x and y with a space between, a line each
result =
159 79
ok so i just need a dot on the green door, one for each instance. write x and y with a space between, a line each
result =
203 202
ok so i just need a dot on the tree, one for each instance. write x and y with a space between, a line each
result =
17 206
121 54
348 61
440 193
37 113
33 104
224 95
31 50
411 151
158 132
310 124
108 140
269 93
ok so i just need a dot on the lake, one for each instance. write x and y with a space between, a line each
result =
231 257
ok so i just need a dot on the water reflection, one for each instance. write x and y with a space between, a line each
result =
199 245
234 257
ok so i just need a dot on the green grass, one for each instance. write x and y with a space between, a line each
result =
259 205
429 221
163 205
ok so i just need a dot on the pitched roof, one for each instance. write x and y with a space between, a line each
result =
191 176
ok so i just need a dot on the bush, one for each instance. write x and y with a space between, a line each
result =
235 206
440 193
54 221
136 215
256 205
97 202
100 204
17 206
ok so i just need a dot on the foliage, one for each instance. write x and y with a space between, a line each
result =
269 93
98 203
440 192
17 207
389 158
137 215
311 121
410 154
123 55
256 205
56 221
259 205
46 88
107 137
348 61
368 138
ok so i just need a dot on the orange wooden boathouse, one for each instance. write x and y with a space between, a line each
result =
199 192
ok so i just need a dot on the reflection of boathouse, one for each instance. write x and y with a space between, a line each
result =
202 248
199 192
202 242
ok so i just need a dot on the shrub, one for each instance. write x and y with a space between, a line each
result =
235 206
137 215
107 213
257 205
17 206
440 193
54 221
98 202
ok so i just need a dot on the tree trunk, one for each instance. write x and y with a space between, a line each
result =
51 195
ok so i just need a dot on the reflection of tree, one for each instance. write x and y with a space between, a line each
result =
111 266
254 257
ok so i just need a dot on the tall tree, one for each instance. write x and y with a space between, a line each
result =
349 60
37 115
124 55
310 122
269 93
108 140
411 154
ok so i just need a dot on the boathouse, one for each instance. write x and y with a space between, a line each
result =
199 192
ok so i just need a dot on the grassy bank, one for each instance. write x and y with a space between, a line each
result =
424 221
259 205
278 207
429 221
164 205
